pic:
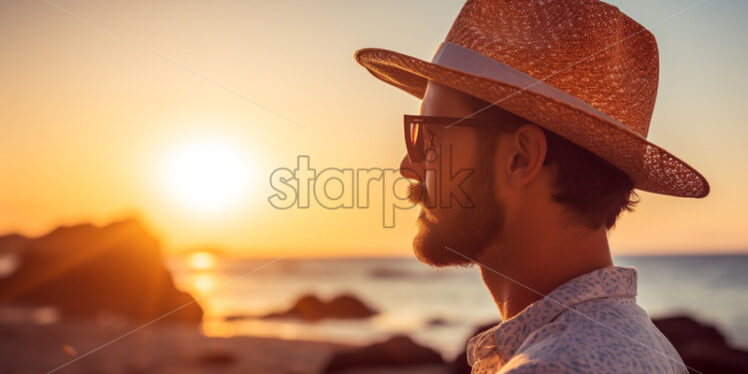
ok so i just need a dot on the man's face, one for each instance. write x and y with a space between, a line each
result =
448 222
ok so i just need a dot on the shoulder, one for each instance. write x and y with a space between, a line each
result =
610 335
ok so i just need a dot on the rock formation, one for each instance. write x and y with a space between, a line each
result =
311 308
85 270
397 352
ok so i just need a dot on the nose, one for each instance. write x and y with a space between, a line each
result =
408 169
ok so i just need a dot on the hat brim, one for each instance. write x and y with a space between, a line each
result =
650 167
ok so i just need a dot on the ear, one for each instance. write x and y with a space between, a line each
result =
529 147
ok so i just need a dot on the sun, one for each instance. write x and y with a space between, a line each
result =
207 174
201 261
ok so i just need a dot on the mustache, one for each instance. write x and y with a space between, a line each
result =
416 193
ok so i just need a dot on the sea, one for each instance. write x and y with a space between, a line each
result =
439 308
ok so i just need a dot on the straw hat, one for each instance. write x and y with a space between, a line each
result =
579 68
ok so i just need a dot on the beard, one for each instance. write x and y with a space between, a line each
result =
456 235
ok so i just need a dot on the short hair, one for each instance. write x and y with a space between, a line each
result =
594 190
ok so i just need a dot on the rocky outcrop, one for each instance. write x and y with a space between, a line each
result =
85 270
702 347
12 243
311 308
397 352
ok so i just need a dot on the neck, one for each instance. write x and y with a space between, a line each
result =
529 263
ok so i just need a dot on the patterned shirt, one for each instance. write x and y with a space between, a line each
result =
591 324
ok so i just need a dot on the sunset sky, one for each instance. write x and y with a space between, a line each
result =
107 107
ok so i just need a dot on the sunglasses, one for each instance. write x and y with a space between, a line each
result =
414 130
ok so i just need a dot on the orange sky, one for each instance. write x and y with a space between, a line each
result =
98 96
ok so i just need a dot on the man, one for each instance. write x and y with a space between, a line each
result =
540 110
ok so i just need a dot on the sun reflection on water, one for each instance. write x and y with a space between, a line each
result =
203 283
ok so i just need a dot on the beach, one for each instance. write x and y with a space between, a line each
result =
87 347
63 348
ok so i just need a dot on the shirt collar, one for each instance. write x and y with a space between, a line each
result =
504 339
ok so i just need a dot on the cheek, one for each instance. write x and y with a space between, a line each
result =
456 162
430 182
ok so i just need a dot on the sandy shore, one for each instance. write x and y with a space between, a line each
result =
159 348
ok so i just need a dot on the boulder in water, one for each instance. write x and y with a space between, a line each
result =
702 347
312 308
86 270
397 352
